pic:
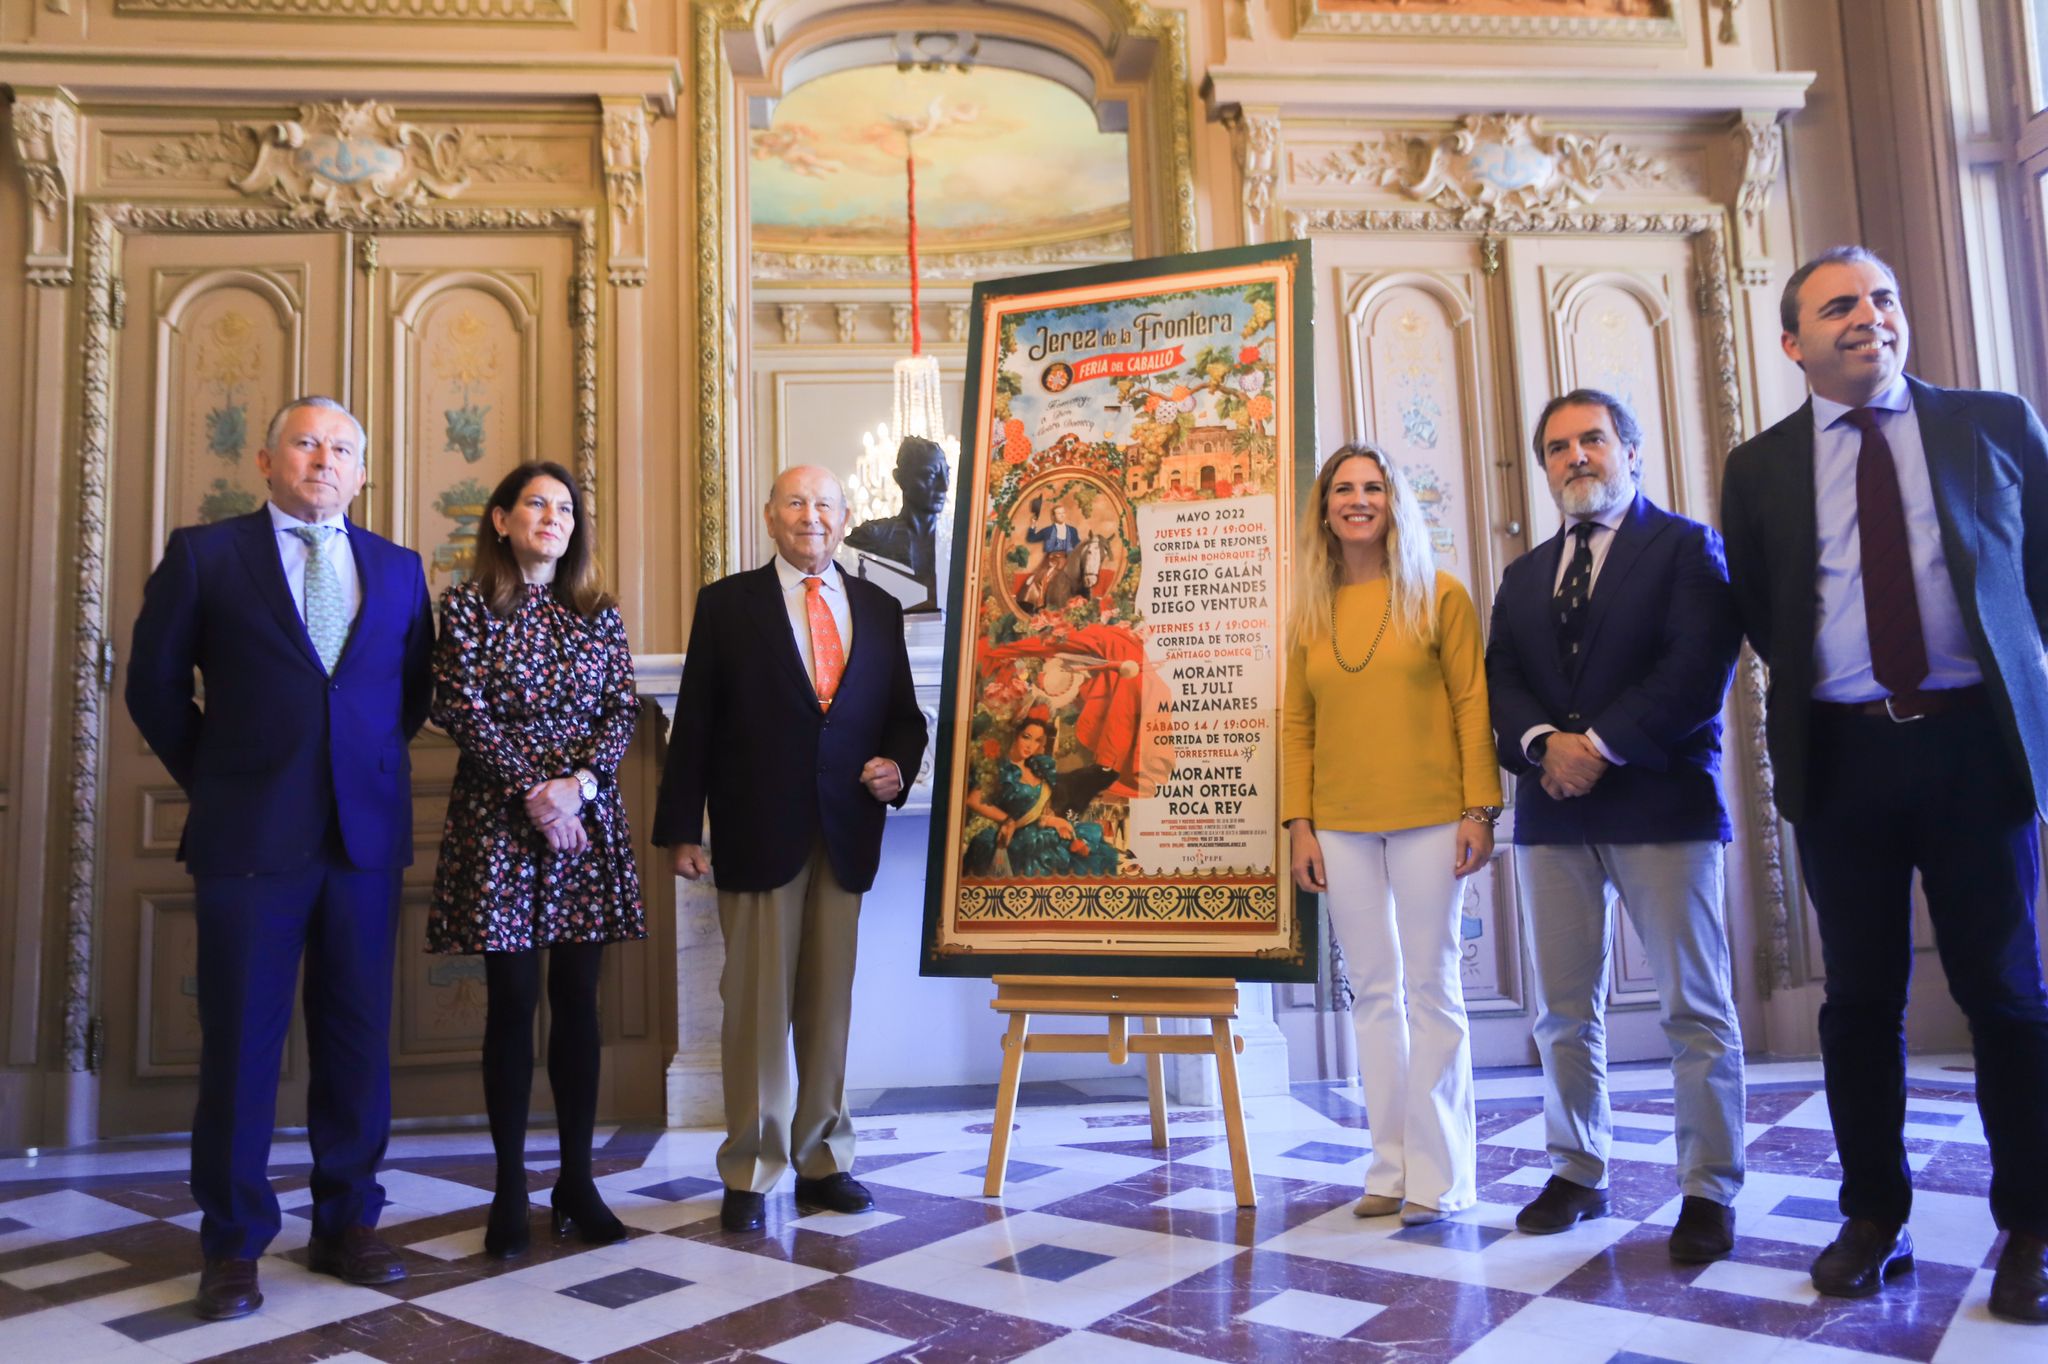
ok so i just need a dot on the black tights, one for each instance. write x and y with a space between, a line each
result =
512 992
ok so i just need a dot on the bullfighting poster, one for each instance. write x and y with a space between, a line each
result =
1106 789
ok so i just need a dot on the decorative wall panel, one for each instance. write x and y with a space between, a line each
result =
1612 334
228 355
169 952
469 376
440 997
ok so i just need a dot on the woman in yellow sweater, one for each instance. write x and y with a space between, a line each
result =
1390 797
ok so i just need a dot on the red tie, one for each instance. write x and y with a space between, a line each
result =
1891 605
828 655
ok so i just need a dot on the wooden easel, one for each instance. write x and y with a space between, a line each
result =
1121 999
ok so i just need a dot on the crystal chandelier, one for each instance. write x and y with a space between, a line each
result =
918 406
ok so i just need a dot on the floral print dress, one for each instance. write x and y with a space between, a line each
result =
526 700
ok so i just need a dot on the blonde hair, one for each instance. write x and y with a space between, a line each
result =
1319 572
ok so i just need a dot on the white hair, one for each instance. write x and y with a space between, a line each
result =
276 427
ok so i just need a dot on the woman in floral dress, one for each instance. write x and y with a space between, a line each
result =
534 682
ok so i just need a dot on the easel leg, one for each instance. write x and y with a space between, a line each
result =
1006 1105
1155 1084
1233 1112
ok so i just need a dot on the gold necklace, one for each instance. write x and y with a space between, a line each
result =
1380 634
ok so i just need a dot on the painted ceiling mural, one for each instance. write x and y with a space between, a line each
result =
1003 159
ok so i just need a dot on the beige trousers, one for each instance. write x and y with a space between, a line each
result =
789 956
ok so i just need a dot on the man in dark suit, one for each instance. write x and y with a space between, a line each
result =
1611 649
796 725
312 637
1888 546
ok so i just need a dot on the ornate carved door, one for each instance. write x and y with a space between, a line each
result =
463 353
218 332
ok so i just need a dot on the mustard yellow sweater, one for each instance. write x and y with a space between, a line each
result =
1404 744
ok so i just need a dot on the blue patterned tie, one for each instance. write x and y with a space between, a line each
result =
326 611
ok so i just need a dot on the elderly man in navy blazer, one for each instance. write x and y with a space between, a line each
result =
1611 650
312 638
796 727
1888 545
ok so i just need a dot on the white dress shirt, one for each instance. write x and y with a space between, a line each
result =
1841 635
292 552
833 589
1602 539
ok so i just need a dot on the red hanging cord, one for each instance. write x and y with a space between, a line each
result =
910 181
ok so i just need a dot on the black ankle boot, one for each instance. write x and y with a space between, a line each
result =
508 1234
580 1206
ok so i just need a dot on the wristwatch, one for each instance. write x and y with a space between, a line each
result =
1538 744
586 782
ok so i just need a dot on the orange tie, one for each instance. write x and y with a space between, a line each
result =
828 655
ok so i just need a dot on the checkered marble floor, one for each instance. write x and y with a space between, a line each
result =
1102 1250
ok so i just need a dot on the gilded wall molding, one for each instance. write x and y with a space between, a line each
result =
1492 167
105 225
625 147
89 640
1311 20
46 145
359 11
1714 301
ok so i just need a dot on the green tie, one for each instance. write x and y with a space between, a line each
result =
326 612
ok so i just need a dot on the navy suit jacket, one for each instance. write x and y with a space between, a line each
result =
280 748
1987 459
752 744
1659 648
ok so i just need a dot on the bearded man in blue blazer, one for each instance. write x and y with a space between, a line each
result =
796 727
1888 547
1610 653
312 638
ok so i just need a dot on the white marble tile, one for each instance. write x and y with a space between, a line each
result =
1523 1264
1199 1199
842 1224
58 1333
1268 1155
840 1343
1317 1314
62 1215
55 1272
1769 1282
1072 1172
529 1303
957 1268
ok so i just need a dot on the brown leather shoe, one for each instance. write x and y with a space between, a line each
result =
356 1256
1705 1231
1861 1257
227 1289
1561 1204
2019 1290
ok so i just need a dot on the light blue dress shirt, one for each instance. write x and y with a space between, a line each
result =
1841 639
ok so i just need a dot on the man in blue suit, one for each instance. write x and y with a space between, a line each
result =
1611 650
1888 546
312 638
796 725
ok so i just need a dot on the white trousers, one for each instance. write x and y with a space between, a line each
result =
1393 904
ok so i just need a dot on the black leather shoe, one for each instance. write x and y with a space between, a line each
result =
742 1210
580 1206
227 1289
839 1192
1705 1231
508 1234
356 1256
1861 1257
2019 1290
1560 1205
